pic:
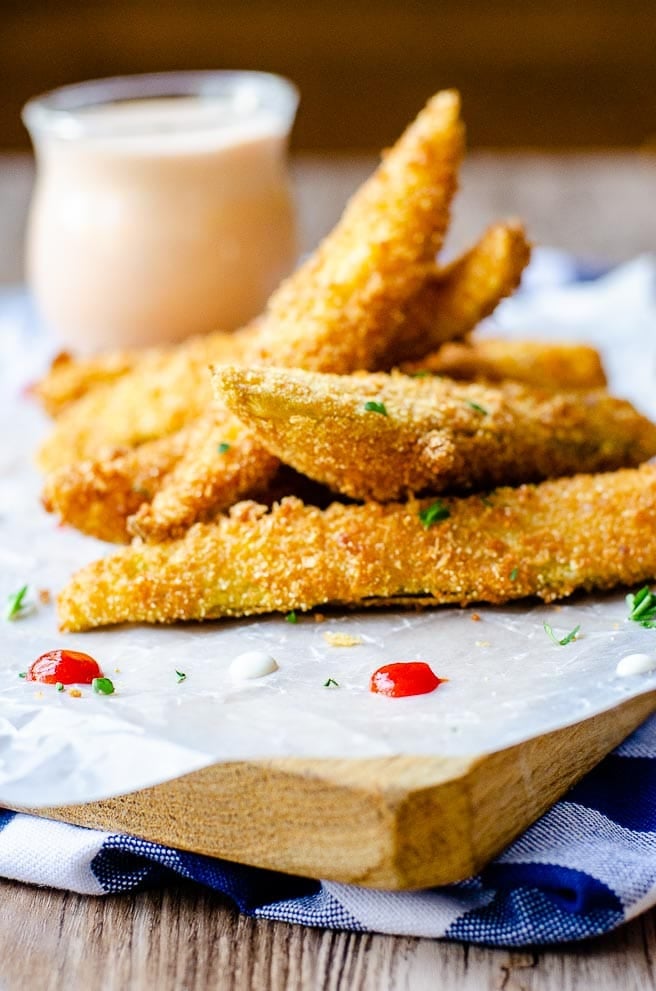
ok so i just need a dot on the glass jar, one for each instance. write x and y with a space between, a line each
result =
162 205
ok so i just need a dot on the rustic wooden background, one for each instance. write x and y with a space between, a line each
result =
549 73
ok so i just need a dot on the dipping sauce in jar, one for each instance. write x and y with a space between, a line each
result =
162 206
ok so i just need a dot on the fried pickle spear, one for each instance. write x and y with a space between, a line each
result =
97 497
69 378
162 393
342 308
383 436
587 532
466 292
545 364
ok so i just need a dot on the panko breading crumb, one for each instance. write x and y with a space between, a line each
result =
586 532
75 693
475 618
435 435
165 390
69 378
341 639
555 365
464 294
45 597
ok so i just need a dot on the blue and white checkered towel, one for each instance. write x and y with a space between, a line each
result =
585 867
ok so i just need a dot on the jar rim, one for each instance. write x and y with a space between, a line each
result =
57 112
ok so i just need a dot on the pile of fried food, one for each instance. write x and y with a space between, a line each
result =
354 445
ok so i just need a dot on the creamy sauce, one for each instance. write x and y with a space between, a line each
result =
157 219
635 664
252 664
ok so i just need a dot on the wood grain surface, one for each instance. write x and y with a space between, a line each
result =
183 937
421 821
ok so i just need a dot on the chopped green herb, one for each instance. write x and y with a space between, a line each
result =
434 513
514 574
140 490
331 683
421 374
223 447
642 608
291 617
59 685
22 674
181 676
15 603
566 639
487 501
102 686
373 407
477 407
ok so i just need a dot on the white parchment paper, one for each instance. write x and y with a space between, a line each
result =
507 680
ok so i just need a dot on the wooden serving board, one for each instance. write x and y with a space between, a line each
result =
399 822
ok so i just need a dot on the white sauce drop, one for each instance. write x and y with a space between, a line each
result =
252 664
635 664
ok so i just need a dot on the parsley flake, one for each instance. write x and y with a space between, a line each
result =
103 686
181 676
16 604
291 617
331 683
22 674
642 608
223 447
514 574
421 374
373 407
59 685
476 406
434 513
566 639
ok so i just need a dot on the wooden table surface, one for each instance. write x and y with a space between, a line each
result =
600 206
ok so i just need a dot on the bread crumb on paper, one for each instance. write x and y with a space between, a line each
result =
341 639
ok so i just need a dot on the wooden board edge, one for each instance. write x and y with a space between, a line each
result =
395 823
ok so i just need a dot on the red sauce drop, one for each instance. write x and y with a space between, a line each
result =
404 678
70 667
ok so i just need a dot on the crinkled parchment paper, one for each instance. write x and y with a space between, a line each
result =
507 680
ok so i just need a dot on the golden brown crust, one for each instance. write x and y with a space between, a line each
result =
162 393
428 434
339 311
69 378
97 497
208 478
545 364
461 295
587 532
